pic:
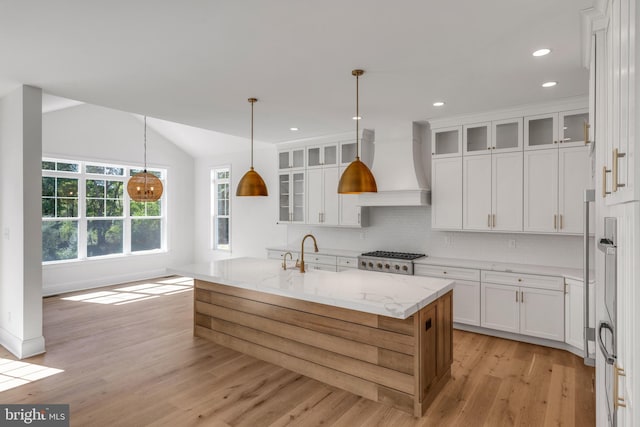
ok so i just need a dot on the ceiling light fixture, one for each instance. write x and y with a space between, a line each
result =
144 186
357 178
542 52
549 84
251 183
438 104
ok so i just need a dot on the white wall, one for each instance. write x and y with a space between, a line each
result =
253 219
20 218
89 132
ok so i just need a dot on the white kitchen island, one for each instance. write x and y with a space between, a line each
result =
386 337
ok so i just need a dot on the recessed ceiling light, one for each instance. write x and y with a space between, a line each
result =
294 129
438 104
549 84
542 52
356 118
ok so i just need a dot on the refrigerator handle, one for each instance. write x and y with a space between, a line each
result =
608 357
589 333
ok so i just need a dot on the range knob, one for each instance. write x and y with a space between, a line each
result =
397 267
370 264
379 265
364 263
405 268
387 266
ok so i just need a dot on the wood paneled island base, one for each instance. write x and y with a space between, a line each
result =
400 362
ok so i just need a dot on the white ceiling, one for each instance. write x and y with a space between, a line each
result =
197 62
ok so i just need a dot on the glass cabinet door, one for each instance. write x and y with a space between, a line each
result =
313 157
572 127
477 138
446 142
297 158
289 159
507 135
298 197
284 197
541 131
347 152
330 157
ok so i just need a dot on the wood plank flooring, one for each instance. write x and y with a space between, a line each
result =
130 359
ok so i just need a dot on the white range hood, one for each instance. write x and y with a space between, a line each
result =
400 166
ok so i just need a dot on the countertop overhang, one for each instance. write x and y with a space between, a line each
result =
384 294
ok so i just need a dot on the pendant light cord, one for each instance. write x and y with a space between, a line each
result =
145 144
357 117
252 134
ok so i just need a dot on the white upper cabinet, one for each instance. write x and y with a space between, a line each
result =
541 191
506 135
446 142
446 193
322 196
541 131
553 130
476 138
492 192
554 184
324 155
291 197
291 159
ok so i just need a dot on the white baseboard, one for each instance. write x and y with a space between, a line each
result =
98 282
518 337
21 348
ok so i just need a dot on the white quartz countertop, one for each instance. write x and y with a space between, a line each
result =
386 294
572 273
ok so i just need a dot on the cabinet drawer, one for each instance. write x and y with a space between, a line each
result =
315 266
319 259
344 261
527 280
271 254
446 272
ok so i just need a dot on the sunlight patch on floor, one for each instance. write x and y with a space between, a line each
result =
14 373
135 293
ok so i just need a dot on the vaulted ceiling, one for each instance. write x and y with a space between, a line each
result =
197 62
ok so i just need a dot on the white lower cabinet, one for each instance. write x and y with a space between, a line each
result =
574 312
527 311
500 307
466 290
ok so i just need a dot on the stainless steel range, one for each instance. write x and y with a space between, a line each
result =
389 262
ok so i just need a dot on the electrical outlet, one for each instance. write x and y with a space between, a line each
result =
511 243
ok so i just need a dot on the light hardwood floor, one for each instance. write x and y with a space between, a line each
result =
131 360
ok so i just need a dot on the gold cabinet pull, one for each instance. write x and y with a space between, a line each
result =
605 171
494 220
489 220
618 402
516 296
586 133
561 222
522 297
616 156
555 221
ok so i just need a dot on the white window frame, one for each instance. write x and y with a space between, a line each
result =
82 176
215 181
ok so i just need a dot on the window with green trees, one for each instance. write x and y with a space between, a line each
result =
87 213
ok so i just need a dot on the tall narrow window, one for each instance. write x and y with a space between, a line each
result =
60 210
221 208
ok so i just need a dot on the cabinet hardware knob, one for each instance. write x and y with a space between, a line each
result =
444 272
555 142
605 171
488 148
614 166
519 280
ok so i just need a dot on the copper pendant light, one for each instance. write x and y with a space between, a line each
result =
145 186
357 178
252 183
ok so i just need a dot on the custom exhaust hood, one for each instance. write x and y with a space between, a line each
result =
401 167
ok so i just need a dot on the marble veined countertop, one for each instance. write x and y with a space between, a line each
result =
386 294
